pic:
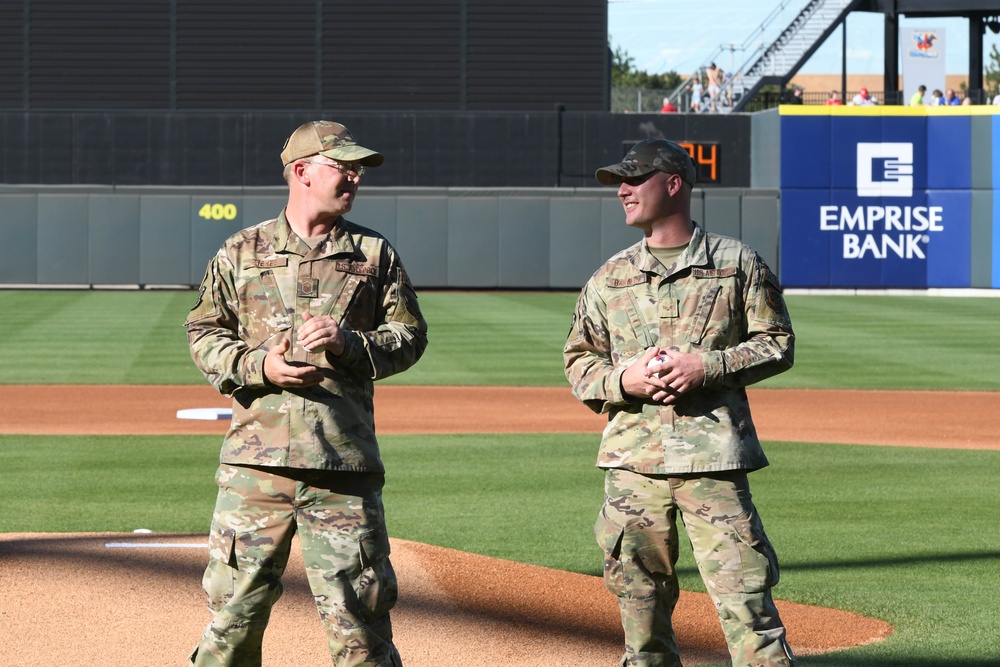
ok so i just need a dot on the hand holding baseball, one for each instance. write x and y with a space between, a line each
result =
680 373
663 376
638 379
321 333
279 372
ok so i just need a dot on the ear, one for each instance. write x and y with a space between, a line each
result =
299 173
674 185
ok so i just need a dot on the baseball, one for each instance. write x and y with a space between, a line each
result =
661 358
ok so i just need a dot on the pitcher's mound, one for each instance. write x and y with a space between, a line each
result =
81 602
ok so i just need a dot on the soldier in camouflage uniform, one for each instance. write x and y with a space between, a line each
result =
680 438
297 316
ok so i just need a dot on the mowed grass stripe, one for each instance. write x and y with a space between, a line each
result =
509 338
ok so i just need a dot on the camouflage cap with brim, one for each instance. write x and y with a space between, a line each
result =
329 139
648 156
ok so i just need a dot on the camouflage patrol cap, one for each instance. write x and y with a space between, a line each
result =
329 139
647 156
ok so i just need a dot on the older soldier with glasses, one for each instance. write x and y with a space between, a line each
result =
296 318
666 336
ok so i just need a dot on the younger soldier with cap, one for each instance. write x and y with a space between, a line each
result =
297 316
665 338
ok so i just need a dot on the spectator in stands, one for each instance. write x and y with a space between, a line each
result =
833 100
668 106
863 99
951 99
697 89
727 88
714 85
937 98
796 96
917 99
996 100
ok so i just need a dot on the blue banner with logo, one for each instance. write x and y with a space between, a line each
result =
883 197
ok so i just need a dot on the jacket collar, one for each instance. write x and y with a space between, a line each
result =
337 242
696 254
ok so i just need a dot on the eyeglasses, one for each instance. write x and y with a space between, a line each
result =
343 167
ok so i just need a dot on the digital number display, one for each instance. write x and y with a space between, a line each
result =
706 159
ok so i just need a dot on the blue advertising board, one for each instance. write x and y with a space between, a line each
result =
881 197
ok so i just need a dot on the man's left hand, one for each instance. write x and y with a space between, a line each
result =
321 333
680 374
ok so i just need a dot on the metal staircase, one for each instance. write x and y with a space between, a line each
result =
774 63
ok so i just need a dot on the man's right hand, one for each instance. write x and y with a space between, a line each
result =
279 372
637 380
678 375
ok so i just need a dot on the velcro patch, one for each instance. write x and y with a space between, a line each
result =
626 282
357 268
714 273
270 263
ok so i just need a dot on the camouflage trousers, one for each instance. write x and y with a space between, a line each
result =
637 530
340 523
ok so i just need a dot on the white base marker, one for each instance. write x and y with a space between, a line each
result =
206 414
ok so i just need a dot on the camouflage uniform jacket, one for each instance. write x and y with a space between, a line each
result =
253 296
719 301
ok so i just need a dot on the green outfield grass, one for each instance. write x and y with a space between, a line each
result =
507 338
903 534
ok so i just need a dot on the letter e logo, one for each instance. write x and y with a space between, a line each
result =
885 170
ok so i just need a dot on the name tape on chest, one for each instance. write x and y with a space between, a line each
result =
714 273
628 281
270 263
357 268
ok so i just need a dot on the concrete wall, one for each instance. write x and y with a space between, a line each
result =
531 238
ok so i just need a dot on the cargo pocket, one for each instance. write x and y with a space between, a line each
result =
758 561
219 581
609 536
375 586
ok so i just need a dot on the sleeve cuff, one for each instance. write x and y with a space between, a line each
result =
613 389
715 367
253 369
355 354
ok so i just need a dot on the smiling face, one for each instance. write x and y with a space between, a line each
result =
648 199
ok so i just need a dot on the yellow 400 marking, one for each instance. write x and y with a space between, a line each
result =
218 212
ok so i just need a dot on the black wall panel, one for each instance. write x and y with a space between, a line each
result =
430 149
12 45
106 54
243 55
387 54
246 54
538 53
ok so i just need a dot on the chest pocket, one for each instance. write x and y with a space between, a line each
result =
633 316
712 307
353 302
263 314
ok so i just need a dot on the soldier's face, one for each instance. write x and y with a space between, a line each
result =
337 189
646 199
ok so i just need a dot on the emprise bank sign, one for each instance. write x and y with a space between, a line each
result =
880 197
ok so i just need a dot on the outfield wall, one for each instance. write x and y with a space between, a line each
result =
531 238
890 197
